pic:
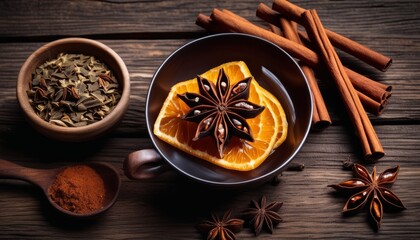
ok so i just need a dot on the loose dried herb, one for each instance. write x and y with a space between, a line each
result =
220 110
263 214
73 90
372 189
223 229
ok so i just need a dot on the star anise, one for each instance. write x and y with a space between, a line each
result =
221 109
223 229
372 189
263 214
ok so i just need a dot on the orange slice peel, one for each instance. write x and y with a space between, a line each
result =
269 128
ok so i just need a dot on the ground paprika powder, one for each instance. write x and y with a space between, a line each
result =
79 189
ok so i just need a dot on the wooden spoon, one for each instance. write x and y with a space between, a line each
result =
45 177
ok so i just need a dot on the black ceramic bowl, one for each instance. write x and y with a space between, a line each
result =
271 66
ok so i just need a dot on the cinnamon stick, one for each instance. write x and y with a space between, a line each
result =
235 15
320 118
205 22
236 24
372 89
226 21
274 29
369 56
371 146
371 105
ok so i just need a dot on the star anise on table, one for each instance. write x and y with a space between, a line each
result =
223 229
263 214
372 189
221 109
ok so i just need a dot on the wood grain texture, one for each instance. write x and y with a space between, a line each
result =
49 18
144 33
172 204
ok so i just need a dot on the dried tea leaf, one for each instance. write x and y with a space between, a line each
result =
73 90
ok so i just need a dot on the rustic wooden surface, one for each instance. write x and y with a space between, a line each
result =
144 33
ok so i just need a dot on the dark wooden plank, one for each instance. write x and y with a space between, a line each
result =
142 18
106 17
169 206
173 205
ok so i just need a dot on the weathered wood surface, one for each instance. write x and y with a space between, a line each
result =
144 33
146 18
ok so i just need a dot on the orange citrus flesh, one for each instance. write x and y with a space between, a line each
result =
269 128
279 114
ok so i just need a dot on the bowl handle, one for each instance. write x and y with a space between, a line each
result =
144 164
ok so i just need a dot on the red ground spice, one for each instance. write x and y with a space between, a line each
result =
79 189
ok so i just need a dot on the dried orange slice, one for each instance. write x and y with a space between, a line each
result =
279 114
239 154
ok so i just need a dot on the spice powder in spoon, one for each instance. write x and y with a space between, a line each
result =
79 189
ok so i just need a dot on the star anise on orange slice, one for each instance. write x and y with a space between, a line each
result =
221 228
263 214
370 189
221 109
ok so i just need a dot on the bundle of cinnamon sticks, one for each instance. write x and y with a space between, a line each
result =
315 51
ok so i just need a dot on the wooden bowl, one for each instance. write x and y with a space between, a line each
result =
77 46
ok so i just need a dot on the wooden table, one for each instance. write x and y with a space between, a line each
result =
144 33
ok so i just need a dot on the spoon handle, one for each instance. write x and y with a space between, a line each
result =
9 170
